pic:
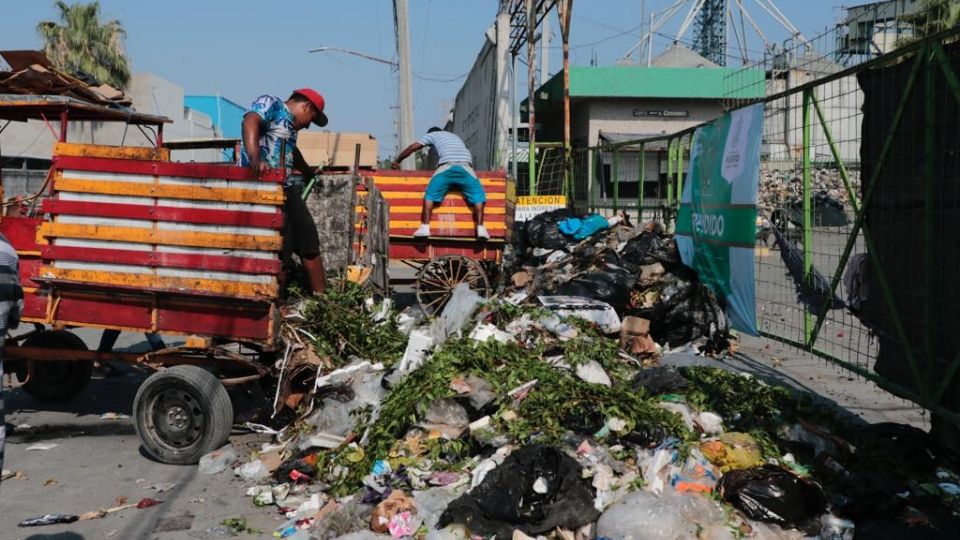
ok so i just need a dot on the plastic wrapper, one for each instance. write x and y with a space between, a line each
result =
774 495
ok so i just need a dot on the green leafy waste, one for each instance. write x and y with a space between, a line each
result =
341 326
558 399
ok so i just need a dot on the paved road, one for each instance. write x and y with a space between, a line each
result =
97 460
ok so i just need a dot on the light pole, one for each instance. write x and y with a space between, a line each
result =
405 120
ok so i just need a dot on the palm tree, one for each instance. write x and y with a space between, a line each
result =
80 44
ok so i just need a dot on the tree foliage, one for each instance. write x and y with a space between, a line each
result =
80 44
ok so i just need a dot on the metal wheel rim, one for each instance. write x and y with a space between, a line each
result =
438 277
175 418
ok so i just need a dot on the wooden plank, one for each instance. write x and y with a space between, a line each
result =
204 216
383 182
161 168
441 210
418 195
212 263
164 283
196 193
153 236
111 152
493 226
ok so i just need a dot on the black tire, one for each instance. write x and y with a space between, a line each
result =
58 380
182 413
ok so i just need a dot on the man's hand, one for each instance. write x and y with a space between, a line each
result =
257 168
394 165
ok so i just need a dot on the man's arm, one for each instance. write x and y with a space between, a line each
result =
406 153
301 165
251 141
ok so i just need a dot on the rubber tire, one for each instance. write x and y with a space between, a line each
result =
211 399
60 380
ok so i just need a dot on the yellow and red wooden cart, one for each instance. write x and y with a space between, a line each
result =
122 238
452 255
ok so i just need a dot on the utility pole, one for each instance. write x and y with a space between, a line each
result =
563 11
406 82
532 93
545 36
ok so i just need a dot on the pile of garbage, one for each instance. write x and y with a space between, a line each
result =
553 410
638 273
780 199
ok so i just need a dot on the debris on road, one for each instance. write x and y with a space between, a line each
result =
42 447
548 409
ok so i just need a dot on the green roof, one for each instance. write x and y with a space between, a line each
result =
655 82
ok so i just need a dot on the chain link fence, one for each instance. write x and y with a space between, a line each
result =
859 195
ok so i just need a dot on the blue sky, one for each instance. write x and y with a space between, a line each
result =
242 49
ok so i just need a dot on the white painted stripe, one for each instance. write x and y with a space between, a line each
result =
217 205
108 176
220 276
265 255
109 199
112 222
219 183
101 244
171 180
216 229
174 203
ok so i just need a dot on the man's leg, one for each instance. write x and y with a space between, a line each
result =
107 340
436 190
476 197
155 341
305 239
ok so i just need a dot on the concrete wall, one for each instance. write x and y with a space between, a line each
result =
151 95
628 116
481 111
840 101
21 181
332 206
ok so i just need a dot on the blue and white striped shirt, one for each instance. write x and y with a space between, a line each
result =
448 146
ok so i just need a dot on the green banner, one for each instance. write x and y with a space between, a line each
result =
716 224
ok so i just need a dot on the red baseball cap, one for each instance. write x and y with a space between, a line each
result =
320 119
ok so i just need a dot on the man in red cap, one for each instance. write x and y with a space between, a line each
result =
270 127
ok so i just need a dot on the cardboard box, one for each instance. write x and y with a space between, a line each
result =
333 149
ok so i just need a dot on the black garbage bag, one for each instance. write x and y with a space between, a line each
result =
612 285
507 499
774 495
687 311
543 230
826 211
660 380
643 248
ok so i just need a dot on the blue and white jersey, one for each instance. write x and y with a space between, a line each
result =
448 146
276 126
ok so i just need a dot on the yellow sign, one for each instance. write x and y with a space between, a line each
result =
537 200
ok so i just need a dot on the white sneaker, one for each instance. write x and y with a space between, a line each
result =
423 231
482 233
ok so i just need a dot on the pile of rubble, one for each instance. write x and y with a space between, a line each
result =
553 410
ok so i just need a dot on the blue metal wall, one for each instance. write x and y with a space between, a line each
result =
226 114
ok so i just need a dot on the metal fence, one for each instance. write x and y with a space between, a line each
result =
859 191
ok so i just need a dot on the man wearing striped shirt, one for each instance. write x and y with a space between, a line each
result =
456 170
11 304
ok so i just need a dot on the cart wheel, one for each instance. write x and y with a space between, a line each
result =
58 380
437 278
182 413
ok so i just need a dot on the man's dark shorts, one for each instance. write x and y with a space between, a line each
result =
299 230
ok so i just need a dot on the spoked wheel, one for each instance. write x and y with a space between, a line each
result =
437 279
181 413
